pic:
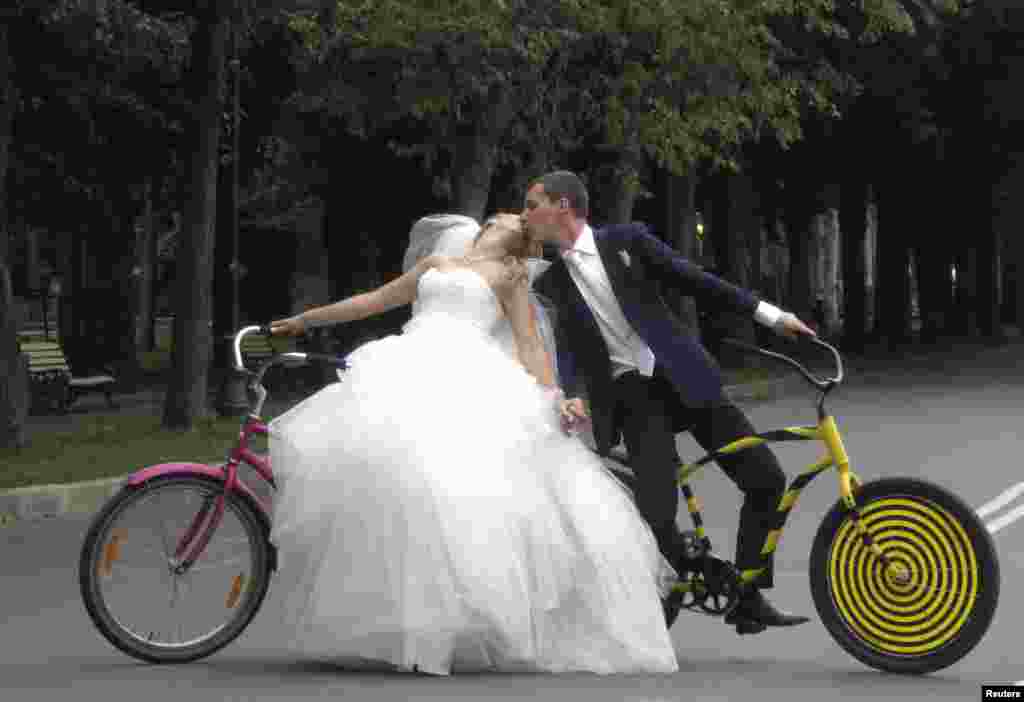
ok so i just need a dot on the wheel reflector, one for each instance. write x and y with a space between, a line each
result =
111 553
236 590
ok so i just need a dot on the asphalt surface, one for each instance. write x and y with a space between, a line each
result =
955 423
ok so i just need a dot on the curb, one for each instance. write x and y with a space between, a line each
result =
35 502
41 501
86 498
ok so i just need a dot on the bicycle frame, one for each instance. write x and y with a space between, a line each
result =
835 455
826 431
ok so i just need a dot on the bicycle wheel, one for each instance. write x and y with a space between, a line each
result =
934 606
129 587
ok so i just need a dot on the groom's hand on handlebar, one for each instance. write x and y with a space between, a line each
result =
293 326
790 326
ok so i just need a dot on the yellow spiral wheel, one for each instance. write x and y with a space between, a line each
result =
933 600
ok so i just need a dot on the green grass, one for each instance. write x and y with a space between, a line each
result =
737 376
113 445
108 445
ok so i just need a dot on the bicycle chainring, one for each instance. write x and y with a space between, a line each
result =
713 585
722 587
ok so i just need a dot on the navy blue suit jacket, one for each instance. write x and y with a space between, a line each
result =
583 359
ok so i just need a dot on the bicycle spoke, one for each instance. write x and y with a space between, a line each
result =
180 631
174 592
226 562
166 540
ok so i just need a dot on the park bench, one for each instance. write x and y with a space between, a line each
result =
52 381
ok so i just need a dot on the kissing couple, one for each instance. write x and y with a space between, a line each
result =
437 511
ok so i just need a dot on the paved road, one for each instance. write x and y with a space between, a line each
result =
959 426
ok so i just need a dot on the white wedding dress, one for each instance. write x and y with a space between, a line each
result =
432 515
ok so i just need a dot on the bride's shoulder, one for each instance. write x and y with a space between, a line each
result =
432 261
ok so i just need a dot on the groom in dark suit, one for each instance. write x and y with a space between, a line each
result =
647 377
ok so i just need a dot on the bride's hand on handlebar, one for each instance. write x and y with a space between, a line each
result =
293 326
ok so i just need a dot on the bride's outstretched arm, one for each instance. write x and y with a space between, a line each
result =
532 354
400 291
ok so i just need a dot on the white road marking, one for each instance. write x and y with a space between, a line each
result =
1004 499
1005 520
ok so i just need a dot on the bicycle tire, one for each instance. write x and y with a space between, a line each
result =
935 618
251 596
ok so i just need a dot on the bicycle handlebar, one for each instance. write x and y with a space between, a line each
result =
299 356
818 383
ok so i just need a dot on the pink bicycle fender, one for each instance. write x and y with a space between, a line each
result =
141 476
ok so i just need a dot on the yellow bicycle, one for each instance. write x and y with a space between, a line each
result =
903 573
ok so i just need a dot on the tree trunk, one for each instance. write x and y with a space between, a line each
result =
922 260
33 278
828 251
1017 253
223 256
123 324
68 250
965 322
472 169
733 217
14 394
853 224
798 220
14 390
871 264
988 242
187 391
933 257
144 272
476 152
893 298
680 232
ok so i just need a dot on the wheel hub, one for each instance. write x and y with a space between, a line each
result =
899 574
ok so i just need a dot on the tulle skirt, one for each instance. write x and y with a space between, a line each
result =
432 516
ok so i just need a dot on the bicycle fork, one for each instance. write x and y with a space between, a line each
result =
200 531
848 483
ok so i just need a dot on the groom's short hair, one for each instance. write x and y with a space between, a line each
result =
559 184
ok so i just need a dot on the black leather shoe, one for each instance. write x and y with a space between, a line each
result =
754 614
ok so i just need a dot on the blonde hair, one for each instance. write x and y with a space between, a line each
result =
526 249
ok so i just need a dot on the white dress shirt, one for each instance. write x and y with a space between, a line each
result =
627 349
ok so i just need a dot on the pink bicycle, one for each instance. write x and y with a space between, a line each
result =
175 566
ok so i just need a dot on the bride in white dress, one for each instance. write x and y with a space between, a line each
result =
432 512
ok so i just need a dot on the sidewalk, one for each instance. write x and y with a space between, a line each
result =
40 501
